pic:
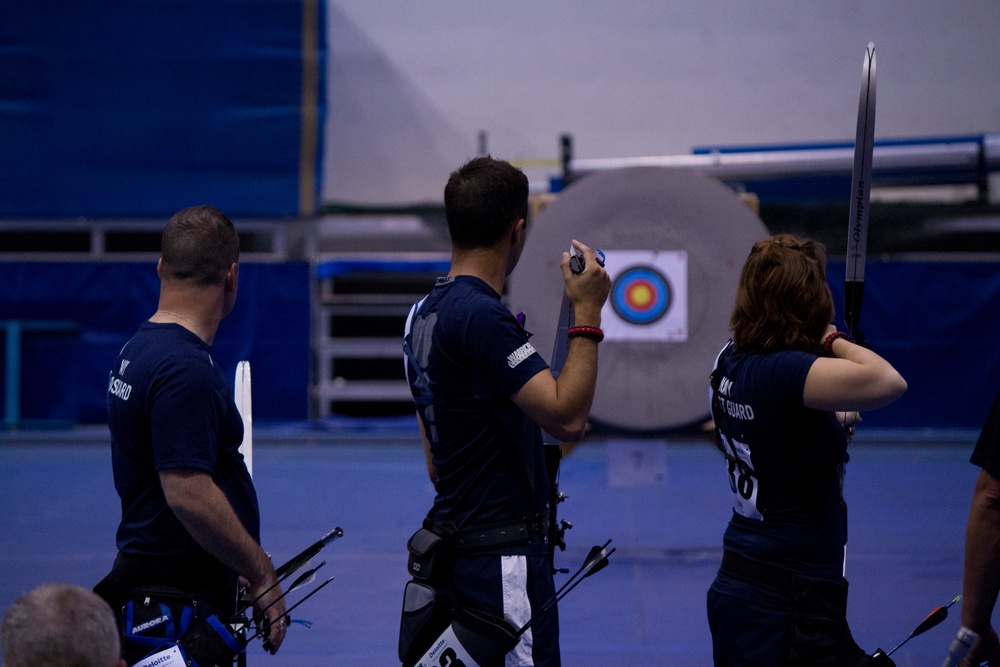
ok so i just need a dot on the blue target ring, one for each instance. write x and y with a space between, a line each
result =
641 295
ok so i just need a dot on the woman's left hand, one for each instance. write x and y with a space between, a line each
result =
849 420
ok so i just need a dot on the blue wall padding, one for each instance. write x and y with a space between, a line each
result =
935 322
64 375
137 109
341 267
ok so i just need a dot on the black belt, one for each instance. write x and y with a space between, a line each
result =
755 571
210 580
510 534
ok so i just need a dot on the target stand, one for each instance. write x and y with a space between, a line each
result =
675 243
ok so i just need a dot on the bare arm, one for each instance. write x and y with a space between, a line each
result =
981 582
204 511
562 406
431 468
855 378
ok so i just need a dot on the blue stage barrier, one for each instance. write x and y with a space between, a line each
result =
64 377
933 320
120 109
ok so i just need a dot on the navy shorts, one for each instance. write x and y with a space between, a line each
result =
744 634
512 587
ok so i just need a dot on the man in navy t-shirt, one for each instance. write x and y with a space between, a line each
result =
189 510
483 393
981 582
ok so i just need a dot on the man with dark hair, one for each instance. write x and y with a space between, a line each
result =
190 518
480 201
60 624
483 394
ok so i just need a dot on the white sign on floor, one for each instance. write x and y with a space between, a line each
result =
636 462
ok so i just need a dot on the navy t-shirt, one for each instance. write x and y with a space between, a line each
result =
986 455
786 463
170 407
474 355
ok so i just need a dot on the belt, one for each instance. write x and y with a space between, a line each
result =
190 575
512 533
755 571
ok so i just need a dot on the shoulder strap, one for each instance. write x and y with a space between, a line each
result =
721 439
424 396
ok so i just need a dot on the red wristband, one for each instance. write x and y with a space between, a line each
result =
593 333
828 342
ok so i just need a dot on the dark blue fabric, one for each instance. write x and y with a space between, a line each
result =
986 455
341 267
171 407
112 108
477 583
488 453
64 375
745 633
796 463
786 473
474 355
932 321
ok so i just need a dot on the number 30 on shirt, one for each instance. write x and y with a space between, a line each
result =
742 480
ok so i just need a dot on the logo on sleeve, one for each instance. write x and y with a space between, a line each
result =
520 354
119 388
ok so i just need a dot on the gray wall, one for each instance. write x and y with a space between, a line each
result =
636 77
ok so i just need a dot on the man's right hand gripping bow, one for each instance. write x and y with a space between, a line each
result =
588 289
562 406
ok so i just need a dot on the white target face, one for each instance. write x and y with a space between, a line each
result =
648 299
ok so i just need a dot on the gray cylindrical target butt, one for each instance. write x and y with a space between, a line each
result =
675 244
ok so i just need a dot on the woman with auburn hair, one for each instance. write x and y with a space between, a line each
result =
785 392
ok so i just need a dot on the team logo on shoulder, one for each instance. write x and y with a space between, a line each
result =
119 388
520 354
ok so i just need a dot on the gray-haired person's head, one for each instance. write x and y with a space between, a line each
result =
60 625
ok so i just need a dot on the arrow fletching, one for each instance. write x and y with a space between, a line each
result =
932 619
306 577
303 557
596 561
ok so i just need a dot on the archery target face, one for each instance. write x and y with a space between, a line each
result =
648 299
